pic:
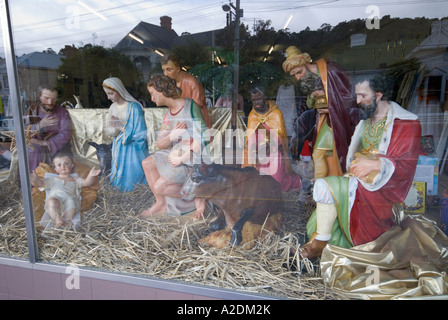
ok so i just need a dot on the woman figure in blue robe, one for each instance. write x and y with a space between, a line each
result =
126 124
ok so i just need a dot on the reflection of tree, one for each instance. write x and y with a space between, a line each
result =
84 68
317 42
402 72
191 54
87 67
219 78
392 35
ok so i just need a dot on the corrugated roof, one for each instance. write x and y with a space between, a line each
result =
40 60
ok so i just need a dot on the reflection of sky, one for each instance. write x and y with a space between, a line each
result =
42 24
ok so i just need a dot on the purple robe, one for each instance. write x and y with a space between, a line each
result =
57 136
344 113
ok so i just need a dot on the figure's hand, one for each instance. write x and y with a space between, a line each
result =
317 93
174 157
94 172
265 149
33 177
35 180
362 167
174 161
115 123
48 121
38 142
178 130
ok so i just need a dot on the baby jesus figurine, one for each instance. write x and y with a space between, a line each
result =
63 192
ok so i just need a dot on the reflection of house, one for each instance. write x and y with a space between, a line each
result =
429 98
146 43
34 69
433 56
4 86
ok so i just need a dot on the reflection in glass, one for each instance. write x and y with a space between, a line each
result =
75 46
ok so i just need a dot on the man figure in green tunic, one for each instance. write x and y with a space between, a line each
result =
381 161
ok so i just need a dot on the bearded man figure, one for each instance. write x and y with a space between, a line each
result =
52 125
381 161
333 117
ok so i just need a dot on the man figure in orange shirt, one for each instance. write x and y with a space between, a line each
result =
190 86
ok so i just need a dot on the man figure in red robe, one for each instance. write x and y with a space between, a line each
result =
381 161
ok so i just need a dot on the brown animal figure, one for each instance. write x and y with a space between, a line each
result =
248 202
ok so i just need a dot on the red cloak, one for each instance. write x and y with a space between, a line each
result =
372 214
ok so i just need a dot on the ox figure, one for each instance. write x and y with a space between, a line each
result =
248 202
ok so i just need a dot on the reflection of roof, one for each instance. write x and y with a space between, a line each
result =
206 38
438 39
153 36
158 37
40 60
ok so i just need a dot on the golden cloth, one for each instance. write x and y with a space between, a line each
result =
408 261
88 125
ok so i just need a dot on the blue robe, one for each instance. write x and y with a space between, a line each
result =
129 149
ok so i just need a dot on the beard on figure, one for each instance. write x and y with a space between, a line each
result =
369 109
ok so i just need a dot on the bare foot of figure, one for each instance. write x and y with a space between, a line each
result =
157 210
59 222
200 208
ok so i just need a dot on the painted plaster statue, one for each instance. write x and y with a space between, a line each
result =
126 124
267 142
381 161
51 125
331 122
181 142
63 192
189 84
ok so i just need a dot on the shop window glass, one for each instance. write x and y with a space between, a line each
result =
80 50
12 219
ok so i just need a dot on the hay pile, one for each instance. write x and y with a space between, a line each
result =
13 238
114 238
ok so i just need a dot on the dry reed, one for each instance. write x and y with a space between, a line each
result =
114 238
